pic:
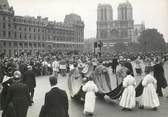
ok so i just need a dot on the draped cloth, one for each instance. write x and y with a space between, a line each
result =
116 93
139 89
74 82
102 80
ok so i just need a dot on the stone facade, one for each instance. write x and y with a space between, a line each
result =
30 34
89 45
122 30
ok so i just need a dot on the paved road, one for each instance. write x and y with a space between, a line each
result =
104 108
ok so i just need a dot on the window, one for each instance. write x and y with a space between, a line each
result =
9 44
15 44
20 44
3 18
4 25
25 36
20 36
30 44
39 37
4 34
9 26
9 34
15 34
4 44
34 37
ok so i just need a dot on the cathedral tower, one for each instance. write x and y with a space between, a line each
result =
125 11
104 12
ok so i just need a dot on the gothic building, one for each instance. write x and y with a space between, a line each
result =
30 34
122 30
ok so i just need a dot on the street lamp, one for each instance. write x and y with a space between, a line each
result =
100 45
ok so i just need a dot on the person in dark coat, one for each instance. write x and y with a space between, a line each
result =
30 80
114 64
159 75
18 98
128 65
7 80
56 102
22 67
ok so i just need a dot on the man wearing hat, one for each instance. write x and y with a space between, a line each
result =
18 98
30 80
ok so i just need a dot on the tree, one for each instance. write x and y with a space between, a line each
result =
151 40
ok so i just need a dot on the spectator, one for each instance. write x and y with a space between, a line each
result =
56 102
18 98
30 81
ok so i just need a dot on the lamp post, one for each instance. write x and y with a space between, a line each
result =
100 45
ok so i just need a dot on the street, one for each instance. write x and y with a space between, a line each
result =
104 108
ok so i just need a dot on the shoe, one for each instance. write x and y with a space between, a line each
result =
90 114
129 109
124 109
141 107
160 95
155 109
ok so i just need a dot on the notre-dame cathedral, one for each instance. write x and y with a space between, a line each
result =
122 30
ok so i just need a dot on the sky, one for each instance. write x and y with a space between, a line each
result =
153 13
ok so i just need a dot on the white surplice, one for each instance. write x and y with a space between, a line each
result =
90 88
149 96
128 96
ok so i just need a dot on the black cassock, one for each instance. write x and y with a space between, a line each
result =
56 104
18 100
159 75
4 92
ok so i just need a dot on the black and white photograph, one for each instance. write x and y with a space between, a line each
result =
83 58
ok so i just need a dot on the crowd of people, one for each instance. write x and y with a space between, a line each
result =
18 80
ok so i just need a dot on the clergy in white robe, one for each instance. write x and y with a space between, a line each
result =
128 97
90 88
149 95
